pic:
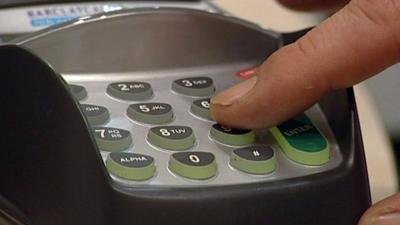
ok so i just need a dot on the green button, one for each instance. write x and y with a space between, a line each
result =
130 91
112 139
151 113
201 108
301 141
232 136
194 86
193 165
95 114
174 138
78 91
131 166
254 159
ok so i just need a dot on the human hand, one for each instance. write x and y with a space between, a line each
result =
360 40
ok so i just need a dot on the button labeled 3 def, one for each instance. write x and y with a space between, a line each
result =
194 86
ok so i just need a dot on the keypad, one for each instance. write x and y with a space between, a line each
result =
151 113
162 133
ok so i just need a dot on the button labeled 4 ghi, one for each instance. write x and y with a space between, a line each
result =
131 166
172 137
232 136
254 159
301 141
130 91
112 139
95 114
152 113
193 165
194 86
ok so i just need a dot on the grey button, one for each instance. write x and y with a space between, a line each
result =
254 159
95 114
131 166
130 91
201 108
152 113
175 138
78 91
194 86
112 139
193 165
232 136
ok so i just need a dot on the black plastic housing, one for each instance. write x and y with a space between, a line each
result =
52 172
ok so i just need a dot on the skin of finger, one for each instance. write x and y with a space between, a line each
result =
383 208
352 45
307 5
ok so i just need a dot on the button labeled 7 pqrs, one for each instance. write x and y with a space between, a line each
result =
112 139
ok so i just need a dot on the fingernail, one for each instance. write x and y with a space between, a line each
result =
229 96
392 218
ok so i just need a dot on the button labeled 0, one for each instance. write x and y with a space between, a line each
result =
193 165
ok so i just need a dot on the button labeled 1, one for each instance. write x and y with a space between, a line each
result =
130 91
194 86
301 141
193 165
254 159
131 166
174 138
232 136
112 139
151 113
78 91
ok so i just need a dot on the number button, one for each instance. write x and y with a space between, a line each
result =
232 136
95 114
301 141
174 138
131 166
194 86
201 108
254 159
112 139
151 113
130 91
193 165
79 92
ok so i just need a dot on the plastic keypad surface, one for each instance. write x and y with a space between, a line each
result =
158 130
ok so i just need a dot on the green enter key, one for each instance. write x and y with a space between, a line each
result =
301 141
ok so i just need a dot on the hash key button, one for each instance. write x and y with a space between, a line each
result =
232 136
174 138
194 86
112 139
254 159
95 114
130 91
193 165
152 113
301 141
131 166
